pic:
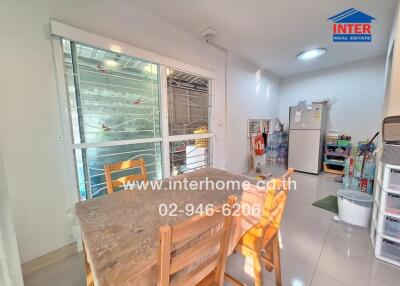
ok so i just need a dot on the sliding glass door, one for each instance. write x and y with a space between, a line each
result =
115 103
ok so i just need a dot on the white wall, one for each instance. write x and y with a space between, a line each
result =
392 96
357 87
34 160
10 268
252 93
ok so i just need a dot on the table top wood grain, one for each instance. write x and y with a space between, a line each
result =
121 230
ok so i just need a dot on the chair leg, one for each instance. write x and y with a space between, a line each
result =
267 253
277 260
232 280
257 270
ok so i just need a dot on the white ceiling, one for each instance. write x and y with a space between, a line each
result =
270 33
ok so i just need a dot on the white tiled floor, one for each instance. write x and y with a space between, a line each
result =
67 272
316 250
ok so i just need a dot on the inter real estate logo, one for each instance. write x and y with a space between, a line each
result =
352 26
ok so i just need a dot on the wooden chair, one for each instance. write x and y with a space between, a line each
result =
273 247
182 248
124 165
261 242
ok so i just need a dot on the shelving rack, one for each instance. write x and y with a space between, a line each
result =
334 161
385 222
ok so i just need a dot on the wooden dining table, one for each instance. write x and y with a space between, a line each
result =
120 231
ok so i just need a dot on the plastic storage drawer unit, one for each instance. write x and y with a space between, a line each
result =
393 203
391 249
391 226
394 179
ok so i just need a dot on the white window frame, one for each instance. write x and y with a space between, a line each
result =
59 31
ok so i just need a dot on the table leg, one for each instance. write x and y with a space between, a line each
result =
88 270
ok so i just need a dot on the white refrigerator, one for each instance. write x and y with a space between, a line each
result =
306 137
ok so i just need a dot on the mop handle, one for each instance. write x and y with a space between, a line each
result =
362 152
370 141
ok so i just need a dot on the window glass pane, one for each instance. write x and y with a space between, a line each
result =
114 97
97 157
190 155
189 103
111 96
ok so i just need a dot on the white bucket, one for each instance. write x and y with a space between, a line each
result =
354 207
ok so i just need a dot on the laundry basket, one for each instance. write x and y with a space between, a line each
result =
391 140
354 207
201 142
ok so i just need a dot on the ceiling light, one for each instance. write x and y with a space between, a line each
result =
311 54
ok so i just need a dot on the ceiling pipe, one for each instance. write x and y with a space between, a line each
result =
209 35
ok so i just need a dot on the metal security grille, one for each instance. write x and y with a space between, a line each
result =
189 113
189 102
189 155
114 103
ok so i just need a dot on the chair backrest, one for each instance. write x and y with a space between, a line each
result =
274 205
121 166
184 246
271 195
